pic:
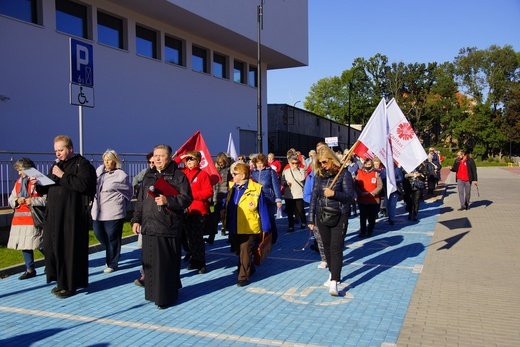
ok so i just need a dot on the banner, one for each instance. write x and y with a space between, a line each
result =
196 143
406 147
231 148
374 141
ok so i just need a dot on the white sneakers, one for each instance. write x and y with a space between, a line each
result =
109 270
333 288
322 265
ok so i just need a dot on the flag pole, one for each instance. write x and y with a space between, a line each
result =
344 162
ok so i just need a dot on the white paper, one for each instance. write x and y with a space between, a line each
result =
42 179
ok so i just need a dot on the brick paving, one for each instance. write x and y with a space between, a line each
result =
448 279
467 293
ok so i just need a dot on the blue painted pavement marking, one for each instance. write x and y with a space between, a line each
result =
285 304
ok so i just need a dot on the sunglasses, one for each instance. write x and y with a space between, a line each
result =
323 161
190 159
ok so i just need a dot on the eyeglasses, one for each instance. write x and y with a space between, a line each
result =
295 163
323 161
190 159
150 162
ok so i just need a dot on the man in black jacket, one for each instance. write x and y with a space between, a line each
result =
466 173
158 216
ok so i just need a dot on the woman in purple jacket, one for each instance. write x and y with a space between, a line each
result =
113 190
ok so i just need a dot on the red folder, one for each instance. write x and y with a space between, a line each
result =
164 188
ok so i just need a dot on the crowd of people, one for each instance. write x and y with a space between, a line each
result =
178 210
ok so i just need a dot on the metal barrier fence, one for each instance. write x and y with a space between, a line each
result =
131 163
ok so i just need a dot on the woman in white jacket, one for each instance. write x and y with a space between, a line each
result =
293 179
113 190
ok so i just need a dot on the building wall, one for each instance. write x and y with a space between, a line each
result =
291 127
140 102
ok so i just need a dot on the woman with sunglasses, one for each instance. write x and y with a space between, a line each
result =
293 179
327 196
198 211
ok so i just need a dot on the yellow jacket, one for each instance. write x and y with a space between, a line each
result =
251 213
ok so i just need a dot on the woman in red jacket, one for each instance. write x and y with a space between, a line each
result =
198 211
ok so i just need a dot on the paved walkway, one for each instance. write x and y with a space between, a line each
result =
447 279
468 291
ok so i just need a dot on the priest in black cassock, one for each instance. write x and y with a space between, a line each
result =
66 225
158 216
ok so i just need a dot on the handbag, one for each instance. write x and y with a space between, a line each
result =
264 248
329 216
418 185
38 215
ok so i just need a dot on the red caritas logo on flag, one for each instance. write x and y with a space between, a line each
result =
405 131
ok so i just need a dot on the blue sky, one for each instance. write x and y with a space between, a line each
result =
404 30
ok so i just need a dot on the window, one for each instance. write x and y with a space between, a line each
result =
239 74
71 18
173 51
110 30
199 59
146 42
220 68
252 76
26 10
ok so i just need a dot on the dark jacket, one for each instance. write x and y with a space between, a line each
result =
166 220
343 194
472 169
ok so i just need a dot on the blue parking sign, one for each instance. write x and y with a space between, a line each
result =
81 63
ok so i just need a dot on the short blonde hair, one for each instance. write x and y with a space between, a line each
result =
242 168
110 154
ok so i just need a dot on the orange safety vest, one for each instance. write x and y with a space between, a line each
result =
22 213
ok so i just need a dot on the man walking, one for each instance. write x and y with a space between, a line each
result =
466 173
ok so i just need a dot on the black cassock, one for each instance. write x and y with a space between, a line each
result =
65 236
161 228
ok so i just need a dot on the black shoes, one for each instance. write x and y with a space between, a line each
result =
63 294
290 230
55 290
200 269
187 257
461 209
242 283
27 275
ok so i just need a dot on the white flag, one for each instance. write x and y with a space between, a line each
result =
407 149
375 140
231 148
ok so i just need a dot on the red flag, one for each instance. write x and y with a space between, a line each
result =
196 143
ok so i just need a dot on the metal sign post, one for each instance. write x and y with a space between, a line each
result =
81 80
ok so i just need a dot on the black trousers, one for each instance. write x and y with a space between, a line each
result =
295 207
333 240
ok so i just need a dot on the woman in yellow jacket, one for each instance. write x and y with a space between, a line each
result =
246 217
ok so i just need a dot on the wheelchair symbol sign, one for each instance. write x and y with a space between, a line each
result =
81 95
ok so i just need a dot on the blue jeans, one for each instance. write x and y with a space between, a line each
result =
109 234
391 204
28 257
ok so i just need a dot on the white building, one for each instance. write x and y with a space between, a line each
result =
162 69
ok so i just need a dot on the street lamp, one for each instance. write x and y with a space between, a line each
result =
349 102
259 81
